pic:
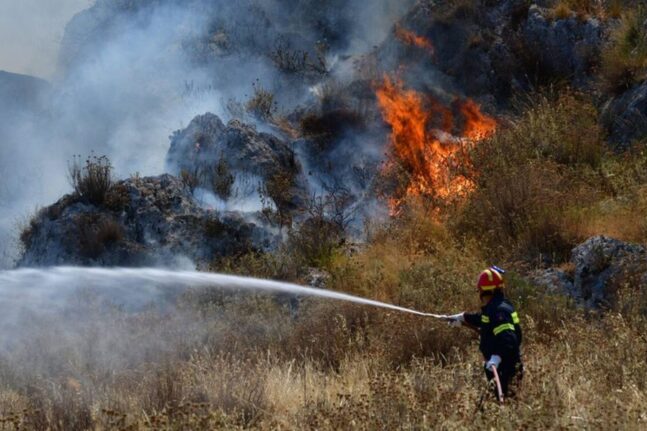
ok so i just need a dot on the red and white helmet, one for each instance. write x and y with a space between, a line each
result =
490 280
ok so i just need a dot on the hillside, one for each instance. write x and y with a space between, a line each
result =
317 145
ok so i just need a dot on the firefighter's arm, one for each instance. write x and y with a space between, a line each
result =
472 320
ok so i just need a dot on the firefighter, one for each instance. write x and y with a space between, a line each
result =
498 324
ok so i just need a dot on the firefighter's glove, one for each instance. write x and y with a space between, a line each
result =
495 361
456 319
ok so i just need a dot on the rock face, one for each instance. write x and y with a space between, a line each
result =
143 221
626 116
598 263
565 47
215 154
494 50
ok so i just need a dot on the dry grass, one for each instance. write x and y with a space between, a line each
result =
347 368
221 360
584 9
624 61
218 360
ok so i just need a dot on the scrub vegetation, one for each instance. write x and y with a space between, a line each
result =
544 182
330 365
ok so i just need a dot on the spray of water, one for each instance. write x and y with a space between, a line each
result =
136 287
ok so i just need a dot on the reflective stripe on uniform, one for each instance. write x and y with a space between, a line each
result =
515 318
503 327
492 286
485 319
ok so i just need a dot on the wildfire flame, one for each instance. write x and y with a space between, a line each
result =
410 38
424 139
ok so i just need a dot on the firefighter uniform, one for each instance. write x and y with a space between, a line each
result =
500 331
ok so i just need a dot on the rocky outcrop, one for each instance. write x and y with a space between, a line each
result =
489 50
626 116
598 265
143 221
215 155
567 47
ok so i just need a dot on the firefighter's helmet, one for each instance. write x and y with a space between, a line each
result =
490 280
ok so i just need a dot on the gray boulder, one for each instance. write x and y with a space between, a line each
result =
143 221
208 150
563 47
626 116
554 280
599 264
598 261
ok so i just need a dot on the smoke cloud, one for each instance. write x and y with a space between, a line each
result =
32 31
130 73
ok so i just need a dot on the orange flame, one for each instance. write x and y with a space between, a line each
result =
410 38
424 141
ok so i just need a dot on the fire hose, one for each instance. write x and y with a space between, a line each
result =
497 381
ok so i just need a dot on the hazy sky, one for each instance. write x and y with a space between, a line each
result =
31 32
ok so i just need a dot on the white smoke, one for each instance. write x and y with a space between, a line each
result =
31 31
121 86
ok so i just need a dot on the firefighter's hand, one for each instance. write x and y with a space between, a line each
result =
456 319
495 361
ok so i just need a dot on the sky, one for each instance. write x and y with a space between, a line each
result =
31 32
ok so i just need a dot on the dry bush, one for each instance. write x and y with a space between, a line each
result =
279 265
117 198
562 10
582 8
92 180
326 128
601 9
317 239
222 180
191 180
296 61
95 234
451 11
624 61
277 190
29 231
262 104
528 175
619 213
